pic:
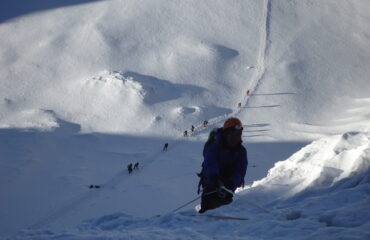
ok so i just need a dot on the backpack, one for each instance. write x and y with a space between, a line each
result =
211 139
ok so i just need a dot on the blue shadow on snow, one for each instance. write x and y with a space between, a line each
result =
158 90
16 8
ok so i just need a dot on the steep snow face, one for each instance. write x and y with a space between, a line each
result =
316 67
321 192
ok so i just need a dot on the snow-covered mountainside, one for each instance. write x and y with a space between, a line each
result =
89 86
301 198
187 61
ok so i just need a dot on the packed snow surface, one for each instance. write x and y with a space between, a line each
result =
88 87
318 193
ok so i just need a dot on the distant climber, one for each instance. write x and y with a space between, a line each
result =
165 147
186 133
205 123
129 168
224 166
192 128
136 166
239 105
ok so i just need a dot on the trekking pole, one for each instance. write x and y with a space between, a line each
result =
251 203
206 194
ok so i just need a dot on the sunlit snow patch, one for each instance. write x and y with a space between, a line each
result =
320 164
108 102
27 118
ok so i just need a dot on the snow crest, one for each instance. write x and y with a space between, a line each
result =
320 164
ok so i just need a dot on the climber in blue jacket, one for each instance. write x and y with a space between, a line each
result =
224 166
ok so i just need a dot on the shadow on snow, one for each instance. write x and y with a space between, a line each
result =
103 158
15 8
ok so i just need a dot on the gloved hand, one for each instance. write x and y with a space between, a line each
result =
221 193
224 192
216 182
229 185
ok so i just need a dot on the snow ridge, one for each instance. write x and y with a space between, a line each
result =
264 42
264 47
320 164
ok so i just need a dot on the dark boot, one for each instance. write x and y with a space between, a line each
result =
214 200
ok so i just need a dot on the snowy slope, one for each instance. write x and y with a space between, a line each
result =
333 205
315 69
88 88
195 54
297 55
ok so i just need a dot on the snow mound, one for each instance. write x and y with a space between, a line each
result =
320 164
25 118
112 87
108 102
339 211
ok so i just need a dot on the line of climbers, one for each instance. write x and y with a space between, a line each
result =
131 167
211 138
205 124
224 164
248 92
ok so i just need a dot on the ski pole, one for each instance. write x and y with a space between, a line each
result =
206 194
251 203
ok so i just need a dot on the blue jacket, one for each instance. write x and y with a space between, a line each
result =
226 165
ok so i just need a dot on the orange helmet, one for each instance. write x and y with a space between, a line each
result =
233 122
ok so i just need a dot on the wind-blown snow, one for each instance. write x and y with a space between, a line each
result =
89 86
320 164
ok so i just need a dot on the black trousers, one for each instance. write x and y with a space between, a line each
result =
214 200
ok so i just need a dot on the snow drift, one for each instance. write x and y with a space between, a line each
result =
320 164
